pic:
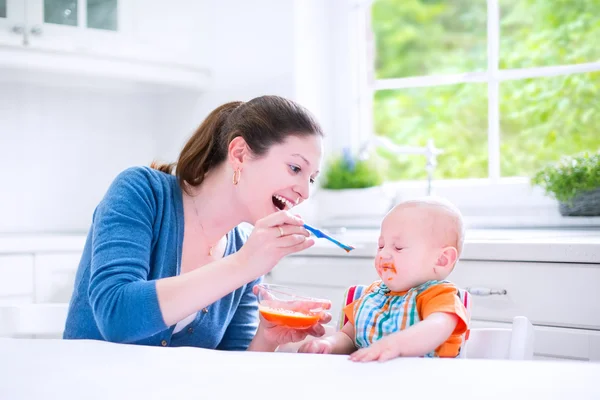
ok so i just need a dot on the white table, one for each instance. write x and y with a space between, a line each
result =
57 369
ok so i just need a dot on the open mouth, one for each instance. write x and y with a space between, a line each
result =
281 203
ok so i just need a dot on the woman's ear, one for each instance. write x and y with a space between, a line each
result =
237 152
445 261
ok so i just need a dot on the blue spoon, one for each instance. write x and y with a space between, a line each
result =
320 234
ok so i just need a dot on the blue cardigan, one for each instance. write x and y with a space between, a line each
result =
135 238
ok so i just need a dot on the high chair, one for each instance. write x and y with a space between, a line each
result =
24 320
515 343
354 293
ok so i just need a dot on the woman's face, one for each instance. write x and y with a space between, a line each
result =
281 179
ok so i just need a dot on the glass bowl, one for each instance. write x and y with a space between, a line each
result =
284 306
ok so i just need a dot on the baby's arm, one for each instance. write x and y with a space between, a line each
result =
339 343
416 341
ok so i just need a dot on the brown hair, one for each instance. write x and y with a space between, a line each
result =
262 122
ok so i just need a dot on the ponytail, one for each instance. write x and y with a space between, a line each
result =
206 148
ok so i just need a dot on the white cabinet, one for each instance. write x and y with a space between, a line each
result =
37 274
16 279
54 277
145 29
550 294
12 22
66 25
140 41
37 278
76 25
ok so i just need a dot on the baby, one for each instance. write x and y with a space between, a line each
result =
412 311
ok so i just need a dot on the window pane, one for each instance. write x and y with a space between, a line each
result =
545 118
423 37
2 8
62 12
454 116
536 33
102 14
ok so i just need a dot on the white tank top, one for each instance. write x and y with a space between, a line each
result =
184 322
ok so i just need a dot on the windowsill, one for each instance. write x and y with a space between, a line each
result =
509 203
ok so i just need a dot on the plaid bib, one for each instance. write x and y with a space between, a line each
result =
379 313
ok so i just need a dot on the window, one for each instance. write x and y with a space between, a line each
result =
502 86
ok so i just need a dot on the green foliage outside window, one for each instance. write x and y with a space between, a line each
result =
541 119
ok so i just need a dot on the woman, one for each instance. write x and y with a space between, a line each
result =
164 265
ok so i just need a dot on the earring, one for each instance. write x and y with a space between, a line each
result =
236 176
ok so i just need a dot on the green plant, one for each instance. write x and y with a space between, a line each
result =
563 180
347 172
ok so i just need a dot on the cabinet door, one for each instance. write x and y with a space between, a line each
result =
12 22
16 279
55 276
87 26
146 30
551 294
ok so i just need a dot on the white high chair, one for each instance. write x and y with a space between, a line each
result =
47 320
514 343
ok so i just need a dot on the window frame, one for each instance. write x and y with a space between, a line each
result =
367 85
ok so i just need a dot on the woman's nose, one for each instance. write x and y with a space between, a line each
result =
303 190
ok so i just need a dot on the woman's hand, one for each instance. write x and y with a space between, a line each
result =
272 238
275 335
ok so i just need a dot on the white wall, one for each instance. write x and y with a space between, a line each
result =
280 47
61 147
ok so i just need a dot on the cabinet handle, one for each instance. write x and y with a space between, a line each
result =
481 291
18 29
36 30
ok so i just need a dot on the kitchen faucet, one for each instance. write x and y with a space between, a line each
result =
429 151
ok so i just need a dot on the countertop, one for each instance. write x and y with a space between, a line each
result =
535 245
77 369
23 243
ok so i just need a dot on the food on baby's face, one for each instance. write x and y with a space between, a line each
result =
386 269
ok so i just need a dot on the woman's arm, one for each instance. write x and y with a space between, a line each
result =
182 295
127 306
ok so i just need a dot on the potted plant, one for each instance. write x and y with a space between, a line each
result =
575 182
352 187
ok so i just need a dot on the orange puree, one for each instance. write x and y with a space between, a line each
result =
289 318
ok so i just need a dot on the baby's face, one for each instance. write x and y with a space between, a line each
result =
408 248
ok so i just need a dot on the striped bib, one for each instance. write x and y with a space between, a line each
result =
379 313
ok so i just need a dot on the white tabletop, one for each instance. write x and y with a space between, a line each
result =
57 369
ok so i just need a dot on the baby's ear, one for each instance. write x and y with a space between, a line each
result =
446 259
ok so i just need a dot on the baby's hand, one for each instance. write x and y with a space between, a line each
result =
382 350
317 346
